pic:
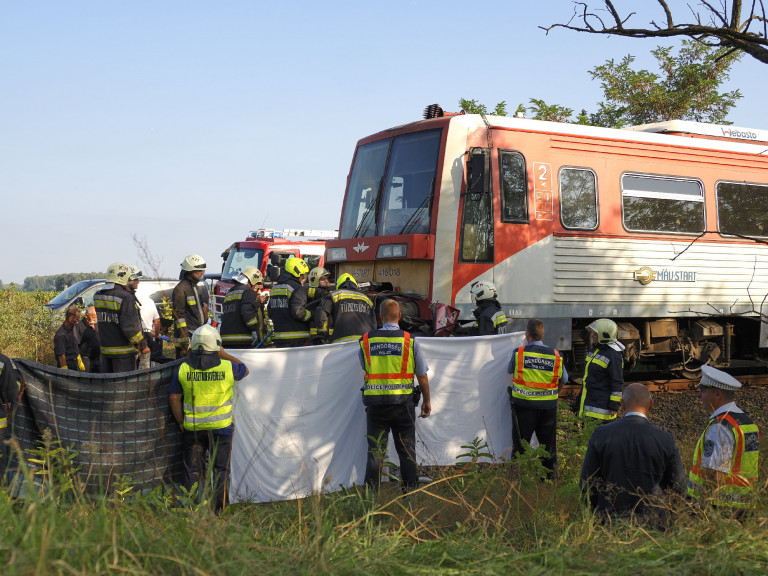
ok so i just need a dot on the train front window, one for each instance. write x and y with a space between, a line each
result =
409 186
239 259
365 181
662 204
742 209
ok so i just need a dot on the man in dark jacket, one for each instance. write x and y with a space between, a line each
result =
489 317
65 346
288 306
349 311
242 320
120 333
88 340
631 463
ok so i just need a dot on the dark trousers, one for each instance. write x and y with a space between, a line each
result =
526 421
112 364
218 447
398 418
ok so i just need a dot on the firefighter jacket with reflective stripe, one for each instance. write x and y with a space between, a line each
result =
120 330
188 314
602 383
738 488
315 297
350 312
288 311
537 373
490 318
242 315
389 367
208 396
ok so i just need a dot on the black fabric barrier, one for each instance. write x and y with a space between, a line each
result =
120 424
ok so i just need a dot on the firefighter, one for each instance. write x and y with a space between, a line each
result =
319 288
349 311
537 375
391 358
120 333
201 397
489 317
288 305
725 461
242 321
190 310
603 374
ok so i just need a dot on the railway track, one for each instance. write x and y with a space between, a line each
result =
660 382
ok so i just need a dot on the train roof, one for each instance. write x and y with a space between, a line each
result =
674 132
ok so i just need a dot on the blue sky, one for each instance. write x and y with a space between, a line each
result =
190 123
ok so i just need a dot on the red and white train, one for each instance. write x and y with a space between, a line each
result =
661 227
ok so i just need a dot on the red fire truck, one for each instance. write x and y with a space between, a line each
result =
662 228
268 250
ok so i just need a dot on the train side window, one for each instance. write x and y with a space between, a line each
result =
662 204
514 187
477 219
578 198
742 209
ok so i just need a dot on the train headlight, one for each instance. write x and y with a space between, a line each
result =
392 251
337 254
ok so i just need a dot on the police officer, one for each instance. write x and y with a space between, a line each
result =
537 372
489 317
189 307
201 399
348 310
603 374
119 322
725 461
242 320
288 305
390 358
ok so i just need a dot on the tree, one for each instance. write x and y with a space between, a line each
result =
684 88
724 24
474 107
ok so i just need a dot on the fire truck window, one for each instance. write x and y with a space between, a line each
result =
359 217
742 209
408 188
312 260
239 259
578 198
514 187
662 204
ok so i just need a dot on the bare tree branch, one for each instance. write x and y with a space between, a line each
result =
712 23
148 259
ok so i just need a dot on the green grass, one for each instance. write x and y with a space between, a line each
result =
473 519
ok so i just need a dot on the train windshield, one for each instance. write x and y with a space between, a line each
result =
391 187
239 259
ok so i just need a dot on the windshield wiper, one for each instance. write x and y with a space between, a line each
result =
368 209
412 221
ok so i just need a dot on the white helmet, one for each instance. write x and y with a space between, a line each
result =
135 273
482 290
316 274
606 329
118 273
207 338
192 263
